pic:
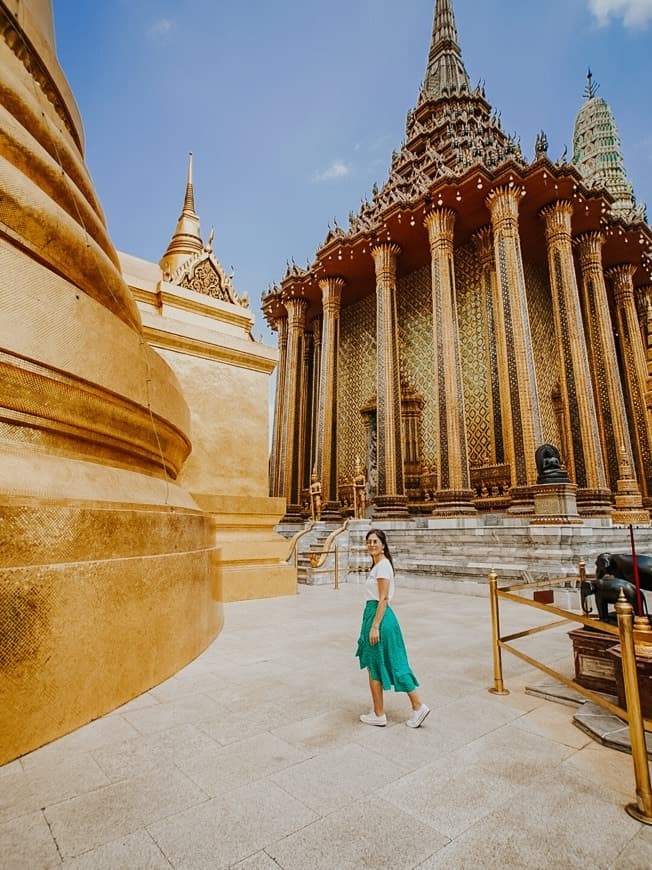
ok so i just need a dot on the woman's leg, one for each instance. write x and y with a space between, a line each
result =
376 688
415 700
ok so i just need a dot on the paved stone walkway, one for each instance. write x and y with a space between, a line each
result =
253 757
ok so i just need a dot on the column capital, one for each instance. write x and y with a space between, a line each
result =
296 307
557 216
277 320
620 277
331 292
385 256
589 247
384 249
504 202
440 223
483 239
645 292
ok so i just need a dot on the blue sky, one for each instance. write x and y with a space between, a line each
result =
292 107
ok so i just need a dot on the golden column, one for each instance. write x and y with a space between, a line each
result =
390 500
304 446
326 446
275 470
608 391
316 380
296 307
584 461
454 494
646 292
634 365
522 421
497 404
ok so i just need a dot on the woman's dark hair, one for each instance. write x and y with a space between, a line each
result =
382 537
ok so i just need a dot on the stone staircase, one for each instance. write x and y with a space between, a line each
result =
315 567
309 551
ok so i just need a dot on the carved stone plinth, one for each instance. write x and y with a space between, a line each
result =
594 666
594 502
644 671
522 501
555 504
331 512
454 503
391 507
293 514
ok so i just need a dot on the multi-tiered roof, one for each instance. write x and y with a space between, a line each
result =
454 151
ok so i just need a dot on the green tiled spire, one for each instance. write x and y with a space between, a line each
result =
597 154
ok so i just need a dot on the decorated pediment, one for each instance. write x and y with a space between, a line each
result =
204 274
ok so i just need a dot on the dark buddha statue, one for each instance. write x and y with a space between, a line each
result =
549 465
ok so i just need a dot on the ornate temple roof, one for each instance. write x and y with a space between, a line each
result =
454 151
597 154
451 129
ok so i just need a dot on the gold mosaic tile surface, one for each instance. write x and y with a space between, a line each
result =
544 345
356 380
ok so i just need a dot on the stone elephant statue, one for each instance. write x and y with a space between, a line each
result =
606 591
620 565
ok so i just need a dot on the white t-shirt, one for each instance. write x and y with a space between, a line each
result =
384 570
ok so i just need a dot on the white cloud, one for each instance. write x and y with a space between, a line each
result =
634 13
337 169
161 29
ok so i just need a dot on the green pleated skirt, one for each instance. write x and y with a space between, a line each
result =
387 660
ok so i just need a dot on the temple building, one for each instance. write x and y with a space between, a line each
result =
478 306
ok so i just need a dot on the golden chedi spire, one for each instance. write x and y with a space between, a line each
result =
186 241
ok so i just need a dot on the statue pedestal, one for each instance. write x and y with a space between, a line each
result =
644 672
594 666
555 504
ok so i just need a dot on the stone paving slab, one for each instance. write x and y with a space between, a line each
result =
254 757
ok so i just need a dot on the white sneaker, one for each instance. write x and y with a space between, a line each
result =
372 719
417 717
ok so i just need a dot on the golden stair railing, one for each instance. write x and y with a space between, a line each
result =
294 540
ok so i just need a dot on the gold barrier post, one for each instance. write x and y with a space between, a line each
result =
642 810
337 569
582 570
498 688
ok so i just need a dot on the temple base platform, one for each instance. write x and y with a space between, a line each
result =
456 554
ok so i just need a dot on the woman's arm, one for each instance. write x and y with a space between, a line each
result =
383 593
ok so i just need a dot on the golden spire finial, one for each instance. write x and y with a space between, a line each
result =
186 241
445 73
189 201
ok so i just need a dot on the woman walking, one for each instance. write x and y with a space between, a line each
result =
380 646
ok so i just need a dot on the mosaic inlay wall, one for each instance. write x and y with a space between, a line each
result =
542 326
414 305
357 358
474 354
356 380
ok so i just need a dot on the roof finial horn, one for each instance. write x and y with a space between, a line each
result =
591 88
